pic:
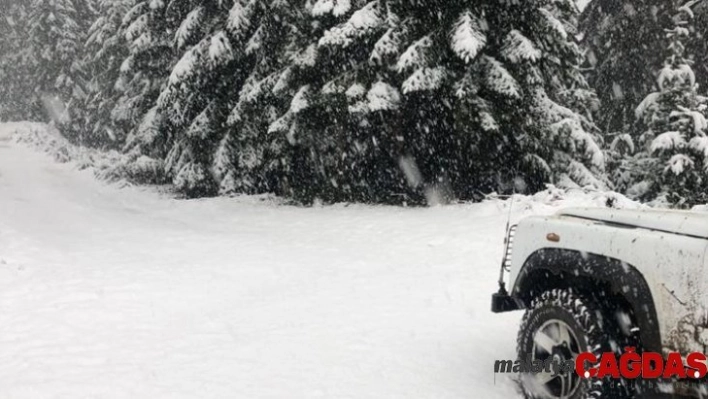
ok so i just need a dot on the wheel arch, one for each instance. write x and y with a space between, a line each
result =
549 268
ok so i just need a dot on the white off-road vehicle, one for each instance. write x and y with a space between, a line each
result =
600 280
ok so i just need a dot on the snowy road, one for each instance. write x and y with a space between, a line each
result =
123 293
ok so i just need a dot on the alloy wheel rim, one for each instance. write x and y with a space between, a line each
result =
556 339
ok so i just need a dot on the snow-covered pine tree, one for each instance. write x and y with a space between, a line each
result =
620 38
148 30
252 155
105 50
16 86
57 31
250 63
331 117
367 100
697 46
344 117
192 106
471 94
207 89
218 45
674 162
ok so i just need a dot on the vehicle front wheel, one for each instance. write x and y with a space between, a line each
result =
560 324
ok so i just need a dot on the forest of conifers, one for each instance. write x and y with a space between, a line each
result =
383 101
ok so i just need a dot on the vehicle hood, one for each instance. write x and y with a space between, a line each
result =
694 224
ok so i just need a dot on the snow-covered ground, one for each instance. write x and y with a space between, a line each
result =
110 292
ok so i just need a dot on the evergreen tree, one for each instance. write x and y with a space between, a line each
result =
253 155
465 96
325 153
191 110
621 37
364 100
190 107
56 34
105 50
148 30
16 86
674 161
213 115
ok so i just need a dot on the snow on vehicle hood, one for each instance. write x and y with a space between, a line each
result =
687 223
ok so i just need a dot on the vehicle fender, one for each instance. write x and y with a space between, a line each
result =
623 279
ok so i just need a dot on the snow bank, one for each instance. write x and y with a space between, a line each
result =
111 166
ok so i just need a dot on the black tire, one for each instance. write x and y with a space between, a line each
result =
582 326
